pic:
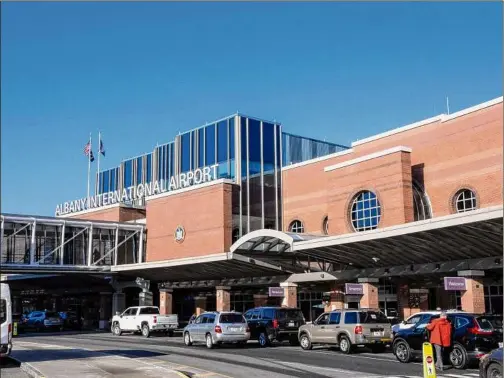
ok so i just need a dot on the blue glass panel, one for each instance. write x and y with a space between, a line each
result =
106 177
268 144
194 135
201 148
223 171
254 141
172 160
243 136
210 145
158 167
222 141
139 170
149 168
232 169
280 152
185 153
128 173
231 138
100 182
113 180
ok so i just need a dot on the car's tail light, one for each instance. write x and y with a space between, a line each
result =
275 323
247 329
154 319
9 328
358 330
218 329
476 330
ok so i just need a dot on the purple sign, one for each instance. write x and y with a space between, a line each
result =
455 283
354 289
276 291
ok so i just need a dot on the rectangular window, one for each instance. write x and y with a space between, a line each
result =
139 170
244 139
254 143
149 168
231 138
113 182
210 145
231 318
172 149
186 152
194 136
128 173
201 148
334 317
222 141
372 317
106 186
350 318
3 310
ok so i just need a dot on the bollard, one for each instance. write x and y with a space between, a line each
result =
15 331
428 361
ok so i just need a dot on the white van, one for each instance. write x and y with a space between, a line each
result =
5 320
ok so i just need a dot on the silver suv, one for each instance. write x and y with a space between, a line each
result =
347 329
214 328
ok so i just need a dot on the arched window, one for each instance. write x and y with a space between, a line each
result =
464 200
365 211
421 204
325 225
296 226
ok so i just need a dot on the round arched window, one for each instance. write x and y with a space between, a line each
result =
325 226
421 204
365 211
464 200
296 226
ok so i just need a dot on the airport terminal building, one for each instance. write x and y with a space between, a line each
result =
239 213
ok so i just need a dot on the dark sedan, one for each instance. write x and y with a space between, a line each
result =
491 364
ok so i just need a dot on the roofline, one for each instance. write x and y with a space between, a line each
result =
439 118
487 213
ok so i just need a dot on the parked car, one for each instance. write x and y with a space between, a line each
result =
415 318
472 337
347 329
215 328
269 324
71 320
496 321
5 320
490 365
145 319
44 320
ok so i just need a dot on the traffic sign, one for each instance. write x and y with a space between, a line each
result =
429 367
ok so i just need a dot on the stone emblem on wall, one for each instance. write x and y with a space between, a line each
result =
179 234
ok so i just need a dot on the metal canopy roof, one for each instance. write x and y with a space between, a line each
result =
218 266
470 235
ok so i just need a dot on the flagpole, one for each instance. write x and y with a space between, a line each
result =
89 166
97 181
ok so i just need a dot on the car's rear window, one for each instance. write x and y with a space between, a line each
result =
3 310
367 317
484 323
52 314
149 311
496 322
289 314
231 318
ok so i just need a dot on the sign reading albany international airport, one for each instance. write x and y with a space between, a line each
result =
134 193
455 283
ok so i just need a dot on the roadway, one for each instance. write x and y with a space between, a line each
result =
134 355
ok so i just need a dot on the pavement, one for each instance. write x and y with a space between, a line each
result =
10 368
105 355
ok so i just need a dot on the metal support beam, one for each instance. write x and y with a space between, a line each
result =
33 246
115 248
60 247
62 243
140 247
90 246
115 245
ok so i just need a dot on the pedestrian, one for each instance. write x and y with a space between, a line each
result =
192 319
440 337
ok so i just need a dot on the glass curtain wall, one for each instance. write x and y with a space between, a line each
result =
297 149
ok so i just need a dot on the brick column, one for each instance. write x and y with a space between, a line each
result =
404 301
370 297
260 300
290 294
336 299
165 301
473 298
200 303
223 298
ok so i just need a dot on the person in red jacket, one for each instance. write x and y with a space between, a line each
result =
440 336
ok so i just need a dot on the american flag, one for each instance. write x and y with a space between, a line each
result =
88 152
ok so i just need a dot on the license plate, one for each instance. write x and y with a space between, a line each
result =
291 324
234 329
500 345
377 334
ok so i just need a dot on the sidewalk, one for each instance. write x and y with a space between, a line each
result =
53 361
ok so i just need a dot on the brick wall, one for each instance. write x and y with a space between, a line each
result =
205 215
114 214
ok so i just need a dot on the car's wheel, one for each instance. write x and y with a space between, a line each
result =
402 351
345 345
117 330
263 339
458 357
494 370
209 341
305 342
145 330
187 339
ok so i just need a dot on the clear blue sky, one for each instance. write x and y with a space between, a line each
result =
141 72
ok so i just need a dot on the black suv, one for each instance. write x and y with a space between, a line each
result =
268 324
472 337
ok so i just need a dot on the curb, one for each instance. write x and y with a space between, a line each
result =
29 369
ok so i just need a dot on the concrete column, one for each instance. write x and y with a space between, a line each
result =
290 294
223 298
118 302
336 299
370 297
260 300
200 303
165 301
473 298
145 298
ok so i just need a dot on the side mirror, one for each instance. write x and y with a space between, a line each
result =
118 313
404 322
